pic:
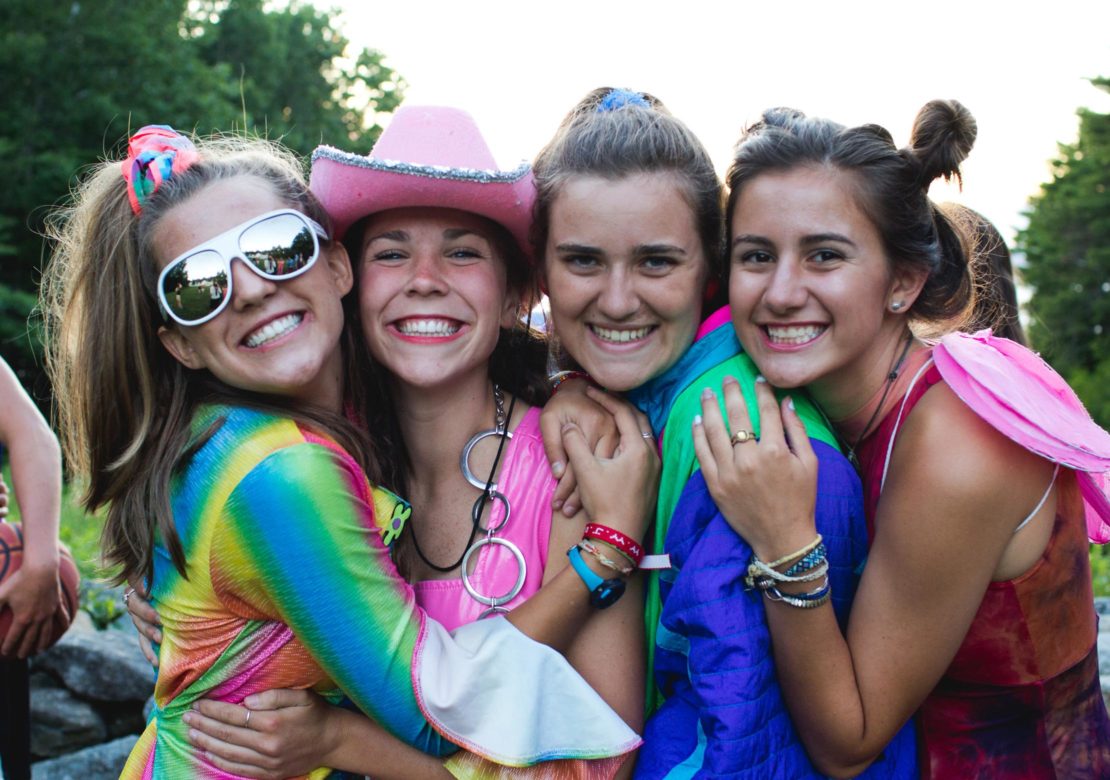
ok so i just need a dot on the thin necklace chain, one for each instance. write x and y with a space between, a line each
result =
853 458
500 423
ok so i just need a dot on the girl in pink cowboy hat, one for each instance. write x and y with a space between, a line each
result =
979 466
444 277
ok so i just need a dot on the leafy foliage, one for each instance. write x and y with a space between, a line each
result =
78 76
1067 250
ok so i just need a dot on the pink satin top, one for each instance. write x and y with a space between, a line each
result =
526 481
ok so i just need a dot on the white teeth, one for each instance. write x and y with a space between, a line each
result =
428 327
794 334
274 329
620 336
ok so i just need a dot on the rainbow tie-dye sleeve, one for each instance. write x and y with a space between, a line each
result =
301 540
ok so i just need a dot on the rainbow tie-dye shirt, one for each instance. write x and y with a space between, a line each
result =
289 586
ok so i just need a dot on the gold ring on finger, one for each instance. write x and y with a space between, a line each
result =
742 436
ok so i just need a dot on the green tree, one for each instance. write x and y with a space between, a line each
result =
1067 252
78 76
298 80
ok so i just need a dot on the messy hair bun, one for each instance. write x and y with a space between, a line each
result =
943 134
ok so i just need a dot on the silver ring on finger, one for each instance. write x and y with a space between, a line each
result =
127 594
247 722
647 435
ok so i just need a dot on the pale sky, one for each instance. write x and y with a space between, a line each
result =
518 67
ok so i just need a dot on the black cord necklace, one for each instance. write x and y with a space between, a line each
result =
501 422
852 457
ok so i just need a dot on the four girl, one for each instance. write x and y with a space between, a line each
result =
969 613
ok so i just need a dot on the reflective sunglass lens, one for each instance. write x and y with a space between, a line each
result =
196 286
279 246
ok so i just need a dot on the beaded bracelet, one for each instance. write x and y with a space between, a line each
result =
559 377
622 543
797 554
760 573
811 559
586 547
810 600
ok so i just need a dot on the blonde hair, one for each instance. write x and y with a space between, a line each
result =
124 404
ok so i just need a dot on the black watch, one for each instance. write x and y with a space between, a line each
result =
603 593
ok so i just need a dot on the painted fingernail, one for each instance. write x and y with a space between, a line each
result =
761 379
557 469
729 380
697 419
188 717
707 392
790 404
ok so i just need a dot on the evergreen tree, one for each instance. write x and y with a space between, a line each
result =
1067 253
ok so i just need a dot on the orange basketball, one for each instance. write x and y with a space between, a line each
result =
11 557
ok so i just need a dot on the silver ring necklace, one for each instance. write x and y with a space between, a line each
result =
489 492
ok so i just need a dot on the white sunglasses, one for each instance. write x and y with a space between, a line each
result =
278 245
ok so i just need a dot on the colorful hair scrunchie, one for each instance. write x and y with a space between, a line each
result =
619 98
154 154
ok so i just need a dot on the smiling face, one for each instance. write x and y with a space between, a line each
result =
811 286
625 272
281 337
433 295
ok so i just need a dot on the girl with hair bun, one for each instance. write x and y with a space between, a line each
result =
974 612
629 232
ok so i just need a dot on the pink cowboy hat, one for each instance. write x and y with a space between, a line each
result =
428 156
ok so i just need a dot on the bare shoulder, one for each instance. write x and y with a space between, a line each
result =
947 451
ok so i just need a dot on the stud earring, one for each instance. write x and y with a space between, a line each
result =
896 305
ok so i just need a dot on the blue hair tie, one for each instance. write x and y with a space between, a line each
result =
619 98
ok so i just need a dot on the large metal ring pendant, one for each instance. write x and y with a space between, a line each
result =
492 496
464 459
522 567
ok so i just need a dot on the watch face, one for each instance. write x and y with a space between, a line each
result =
607 593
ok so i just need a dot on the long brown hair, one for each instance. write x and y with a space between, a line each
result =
125 405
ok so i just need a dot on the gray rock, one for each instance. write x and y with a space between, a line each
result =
102 762
62 723
99 665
